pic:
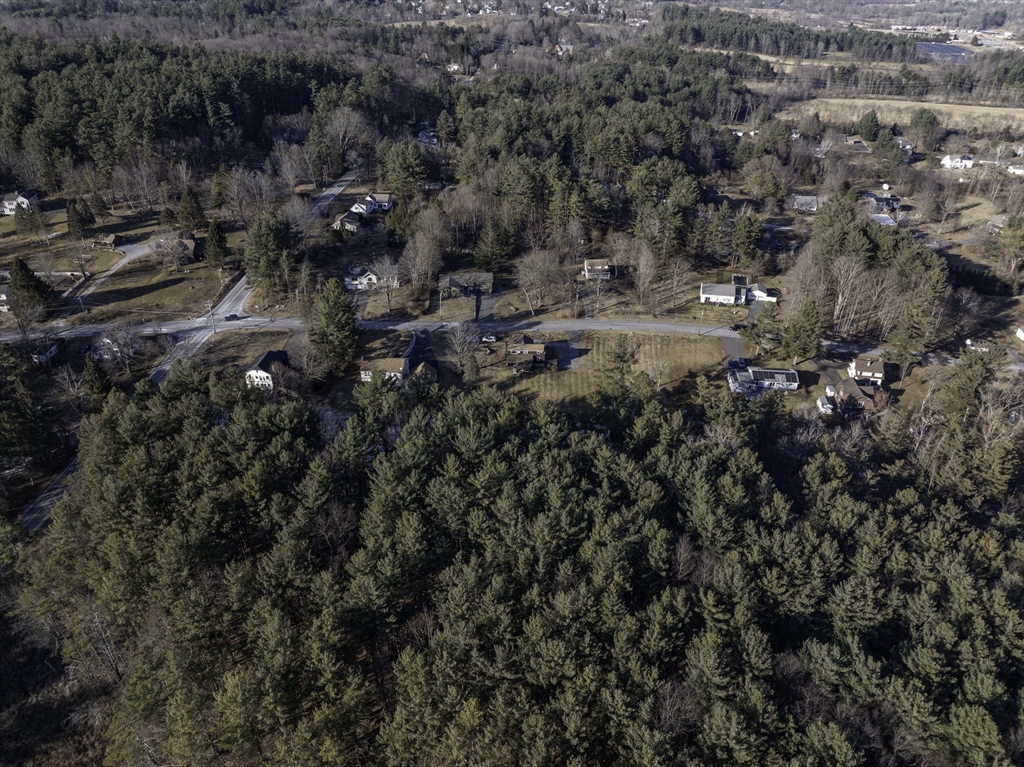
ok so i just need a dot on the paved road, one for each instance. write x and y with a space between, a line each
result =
131 252
192 334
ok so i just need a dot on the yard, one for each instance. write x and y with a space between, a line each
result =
239 348
144 289
668 358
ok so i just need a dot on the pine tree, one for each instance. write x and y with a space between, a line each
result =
216 249
802 338
190 212
95 378
332 329
29 295
85 214
270 247
98 206
76 227
217 186
868 126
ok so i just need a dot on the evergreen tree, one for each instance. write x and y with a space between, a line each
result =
216 247
218 186
332 328
98 208
868 126
29 295
95 378
270 246
76 227
802 338
403 169
85 213
766 331
190 212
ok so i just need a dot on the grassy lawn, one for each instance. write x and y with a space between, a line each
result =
133 227
145 290
239 348
682 356
406 302
462 309
381 344
618 300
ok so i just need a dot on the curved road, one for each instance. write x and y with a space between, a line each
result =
192 335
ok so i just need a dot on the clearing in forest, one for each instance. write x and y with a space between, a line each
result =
953 116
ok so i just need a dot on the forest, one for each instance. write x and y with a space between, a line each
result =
464 579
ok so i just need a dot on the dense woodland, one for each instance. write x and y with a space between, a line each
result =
461 578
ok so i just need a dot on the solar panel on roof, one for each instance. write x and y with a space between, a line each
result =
780 376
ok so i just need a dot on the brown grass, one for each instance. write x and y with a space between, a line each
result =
954 116
239 347
144 290
462 309
683 356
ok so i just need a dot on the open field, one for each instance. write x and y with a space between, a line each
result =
144 289
953 116
682 356
239 348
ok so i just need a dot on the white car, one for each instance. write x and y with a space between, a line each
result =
489 339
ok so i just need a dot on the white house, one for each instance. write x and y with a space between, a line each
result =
367 281
753 380
360 208
27 200
825 404
758 292
867 369
258 376
378 202
598 268
958 163
393 368
715 293
1015 170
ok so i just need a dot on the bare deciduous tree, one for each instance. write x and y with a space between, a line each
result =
387 271
304 219
645 269
537 273
680 270
420 260
239 194
460 341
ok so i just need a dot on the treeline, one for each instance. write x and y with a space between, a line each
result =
461 578
712 28
105 102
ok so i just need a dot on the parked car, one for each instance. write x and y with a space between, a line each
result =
489 339
741 363
737 326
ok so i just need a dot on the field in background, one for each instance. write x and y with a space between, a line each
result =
953 116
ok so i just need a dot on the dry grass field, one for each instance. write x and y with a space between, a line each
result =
953 116
239 348
673 358
462 309
144 290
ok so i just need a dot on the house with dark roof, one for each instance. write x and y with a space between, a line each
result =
457 284
854 400
869 369
259 375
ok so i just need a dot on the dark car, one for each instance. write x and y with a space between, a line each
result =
733 364
231 318
737 326
741 363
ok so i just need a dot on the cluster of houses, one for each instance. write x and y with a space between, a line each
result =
856 395
352 219
735 293
12 201
966 162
